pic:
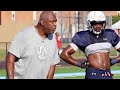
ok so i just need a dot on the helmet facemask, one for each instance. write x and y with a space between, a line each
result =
90 26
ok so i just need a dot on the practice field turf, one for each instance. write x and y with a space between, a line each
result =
78 73
72 72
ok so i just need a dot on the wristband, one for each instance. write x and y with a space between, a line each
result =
113 61
11 75
78 63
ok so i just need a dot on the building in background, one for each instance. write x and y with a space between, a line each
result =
69 22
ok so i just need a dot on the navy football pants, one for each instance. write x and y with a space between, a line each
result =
93 73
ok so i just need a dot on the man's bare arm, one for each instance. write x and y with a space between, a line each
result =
10 59
66 55
51 72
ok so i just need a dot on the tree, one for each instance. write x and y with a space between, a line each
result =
115 19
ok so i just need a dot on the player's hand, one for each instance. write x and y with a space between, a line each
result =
112 62
84 64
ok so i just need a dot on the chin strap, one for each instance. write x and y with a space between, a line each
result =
95 32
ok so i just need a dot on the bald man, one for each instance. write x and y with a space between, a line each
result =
33 53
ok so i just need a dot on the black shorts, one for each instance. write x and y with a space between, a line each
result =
93 73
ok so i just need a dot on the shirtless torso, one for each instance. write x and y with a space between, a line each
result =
99 60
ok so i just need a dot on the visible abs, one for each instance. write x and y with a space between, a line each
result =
99 60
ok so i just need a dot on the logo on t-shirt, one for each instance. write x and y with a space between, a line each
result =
42 52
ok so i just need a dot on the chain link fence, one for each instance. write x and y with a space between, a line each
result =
69 22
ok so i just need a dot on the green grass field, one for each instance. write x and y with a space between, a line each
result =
72 69
2 54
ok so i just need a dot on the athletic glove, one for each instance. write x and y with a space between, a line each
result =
112 62
82 64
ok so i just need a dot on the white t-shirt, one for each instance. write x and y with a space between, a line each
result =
36 54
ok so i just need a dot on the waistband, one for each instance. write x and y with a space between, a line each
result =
98 73
98 69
